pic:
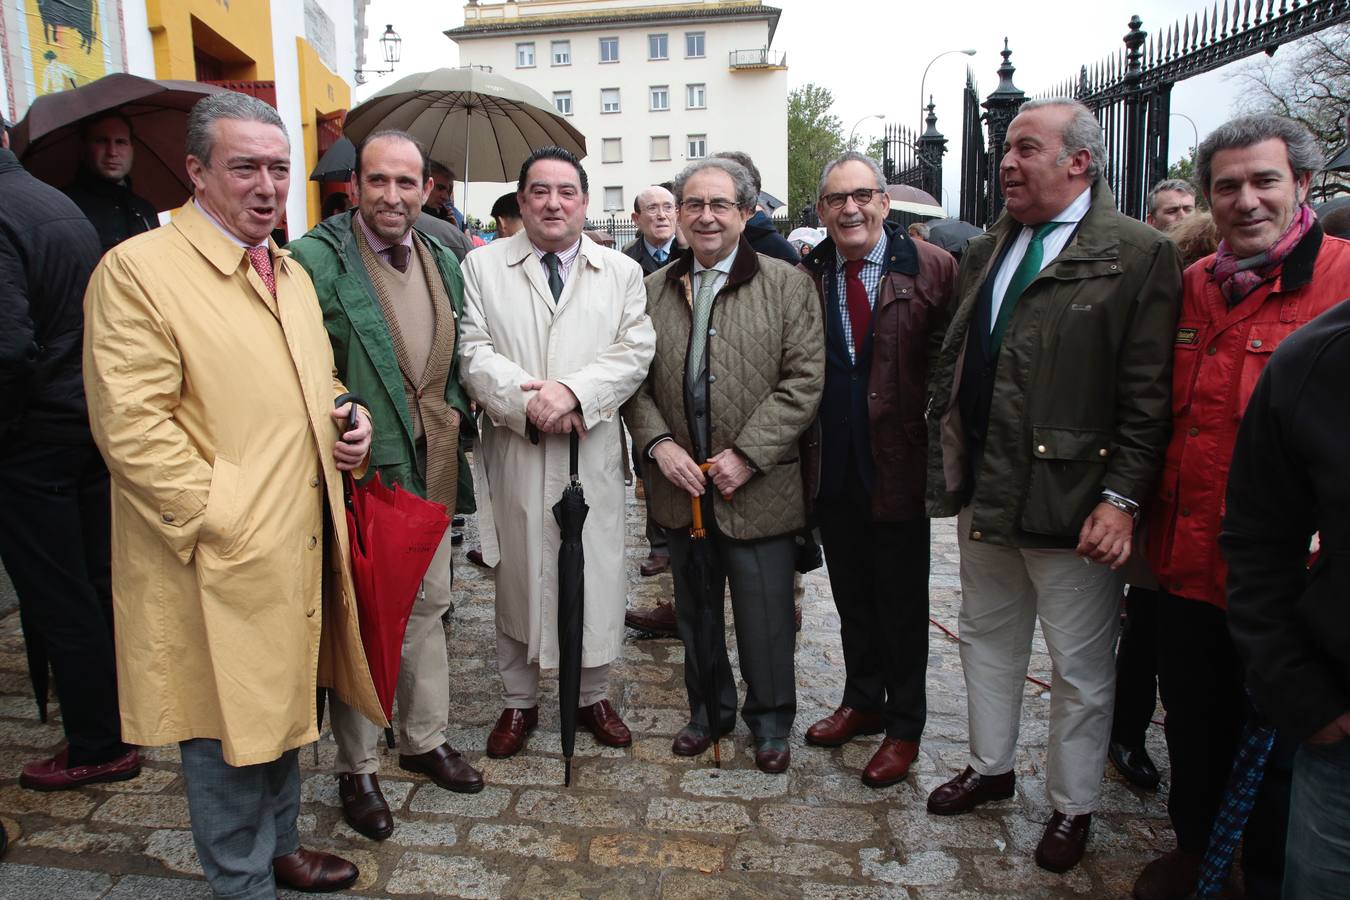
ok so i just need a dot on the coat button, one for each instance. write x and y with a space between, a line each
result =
712 332
309 613
314 481
1103 452
977 535
168 517
1040 448
1256 343
872 395
1185 510
1193 431
1212 349
313 542
712 378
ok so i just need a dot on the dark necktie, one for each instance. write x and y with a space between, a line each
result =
398 257
261 258
555 282
859 306
1026 272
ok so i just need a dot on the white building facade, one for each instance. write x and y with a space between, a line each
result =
651 85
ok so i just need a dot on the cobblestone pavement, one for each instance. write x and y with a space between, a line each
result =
635 823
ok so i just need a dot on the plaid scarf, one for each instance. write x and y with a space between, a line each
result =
1239 277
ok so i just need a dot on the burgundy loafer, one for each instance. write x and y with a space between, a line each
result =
1064 841
57 774
508 735
313 872
968 790
691 741
654 564
842 726
772 755
604 723
890 764
446 767
659 620
364 806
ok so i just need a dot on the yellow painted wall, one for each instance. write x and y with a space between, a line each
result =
236 31
321 91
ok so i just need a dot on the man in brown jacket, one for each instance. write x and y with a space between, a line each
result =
884 298
736 379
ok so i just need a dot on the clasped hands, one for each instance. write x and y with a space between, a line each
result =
728 469
1106 536
554 409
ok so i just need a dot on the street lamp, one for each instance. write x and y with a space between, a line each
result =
1194 130
391 45
859 122
925 79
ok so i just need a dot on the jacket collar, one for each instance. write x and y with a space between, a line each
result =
902 255
1297 270
8 161
219 250
743 268
1097 236
519 249
90 182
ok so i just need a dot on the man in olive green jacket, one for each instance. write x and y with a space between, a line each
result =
391 299
1048 419
736 380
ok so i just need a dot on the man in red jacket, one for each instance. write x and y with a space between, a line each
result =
1274 271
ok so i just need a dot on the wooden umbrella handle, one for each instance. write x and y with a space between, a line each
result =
696 509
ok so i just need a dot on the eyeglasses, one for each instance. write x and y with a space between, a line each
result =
652 209
862 197
719 206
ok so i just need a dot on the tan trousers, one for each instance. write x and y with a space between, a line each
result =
1004 591
422 696
520 677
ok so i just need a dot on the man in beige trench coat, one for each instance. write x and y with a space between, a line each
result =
555 336
211 394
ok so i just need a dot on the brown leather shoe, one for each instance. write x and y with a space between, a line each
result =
446 767
57 774
364 806
639 489
654 564
1171 876
842 726
772 755
313 872
659 620
968 790
1064 841
475 556
691 741
603 722
508 735
890 764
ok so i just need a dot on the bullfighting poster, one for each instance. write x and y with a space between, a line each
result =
54 45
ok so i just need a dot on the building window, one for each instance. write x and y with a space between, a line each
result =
697 146
660 147
609 49
611 150
695 96
562 101
660 97
613 199
693 44
562 53
525 56
658 46
609 100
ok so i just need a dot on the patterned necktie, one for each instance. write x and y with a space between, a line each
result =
555 282
859 305
660 256
398 257
261 258
1027 269
698 338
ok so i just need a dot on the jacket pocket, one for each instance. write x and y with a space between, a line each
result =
1067 468
1262 339
220 519
1186 362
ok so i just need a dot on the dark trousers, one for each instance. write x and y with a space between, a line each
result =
761 576
1136 668
55 542
1201 679
879 578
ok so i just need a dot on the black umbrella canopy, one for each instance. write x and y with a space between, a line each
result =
951 235
570 513
337 163
707 599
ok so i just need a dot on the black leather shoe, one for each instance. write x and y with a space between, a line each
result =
4 840
364 806
1064 841
968 790
1134 765
314 872
446 767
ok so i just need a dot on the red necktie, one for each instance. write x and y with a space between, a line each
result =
261 258
859 307
398 257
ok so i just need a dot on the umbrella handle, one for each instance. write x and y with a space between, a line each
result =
696 509
573 455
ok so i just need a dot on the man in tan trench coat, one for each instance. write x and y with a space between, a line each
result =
211 394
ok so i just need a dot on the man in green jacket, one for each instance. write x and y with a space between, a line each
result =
392 299
1049 415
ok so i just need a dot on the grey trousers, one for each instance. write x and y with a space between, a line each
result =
761 576
423 690
243 817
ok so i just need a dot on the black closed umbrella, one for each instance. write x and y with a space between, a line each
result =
337 163
570 514
706 598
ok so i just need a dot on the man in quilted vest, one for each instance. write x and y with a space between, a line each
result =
737 377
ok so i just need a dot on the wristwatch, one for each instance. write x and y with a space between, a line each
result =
1120 503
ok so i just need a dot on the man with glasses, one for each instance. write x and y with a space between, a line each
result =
735 381
885 301
1047 426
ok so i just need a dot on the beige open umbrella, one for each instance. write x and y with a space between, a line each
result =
480 124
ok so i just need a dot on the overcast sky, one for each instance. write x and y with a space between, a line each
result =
872 54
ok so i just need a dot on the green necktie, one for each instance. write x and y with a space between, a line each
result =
555 282
698 339
1027 269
